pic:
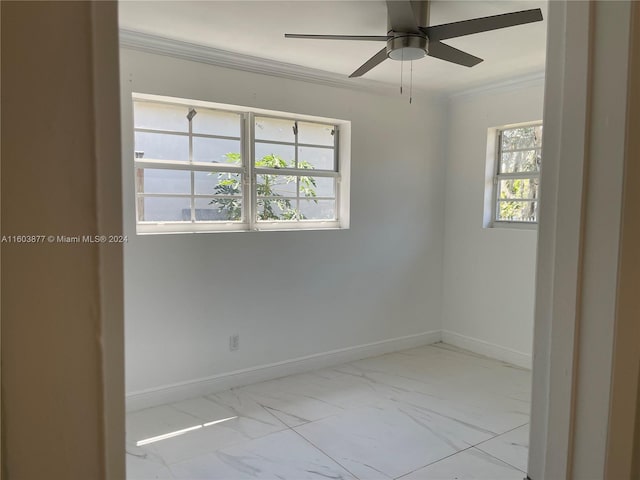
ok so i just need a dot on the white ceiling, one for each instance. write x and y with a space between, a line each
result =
257 28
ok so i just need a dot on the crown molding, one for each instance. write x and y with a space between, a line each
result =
534 79
156 44
160 45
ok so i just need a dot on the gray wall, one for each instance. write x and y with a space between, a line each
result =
489 273
288 294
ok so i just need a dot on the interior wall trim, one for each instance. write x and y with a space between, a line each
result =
214 56
488 349
216 383
535 79
160 45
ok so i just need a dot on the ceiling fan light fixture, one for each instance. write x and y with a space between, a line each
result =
407 47
407 53
410 37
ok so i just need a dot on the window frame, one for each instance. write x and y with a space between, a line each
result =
497 176
255 171
248 171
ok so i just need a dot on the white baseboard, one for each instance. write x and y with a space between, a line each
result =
216 383
487 349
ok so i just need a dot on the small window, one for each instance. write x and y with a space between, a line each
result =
516 185
225 168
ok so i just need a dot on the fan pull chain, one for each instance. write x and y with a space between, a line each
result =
401 69
411 83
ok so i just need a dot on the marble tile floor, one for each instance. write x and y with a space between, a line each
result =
433 412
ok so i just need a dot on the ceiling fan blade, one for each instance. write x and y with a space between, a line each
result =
375 38
453 55
401 16
484 24
374 61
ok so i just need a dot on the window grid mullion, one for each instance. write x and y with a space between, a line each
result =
503 200
251 180
296 173
185 134
202 167
283 197
298 199
295 163
496 178
191 172
336 167
524 149
184 195
516 175
291 144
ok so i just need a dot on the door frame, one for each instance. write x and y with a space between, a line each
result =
582 331
561 332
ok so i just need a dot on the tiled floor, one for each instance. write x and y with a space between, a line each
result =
432 412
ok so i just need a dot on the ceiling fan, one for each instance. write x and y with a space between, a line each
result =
408 40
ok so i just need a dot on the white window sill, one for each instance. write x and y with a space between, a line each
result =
173 229
514 225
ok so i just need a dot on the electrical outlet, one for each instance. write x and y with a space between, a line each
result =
234 342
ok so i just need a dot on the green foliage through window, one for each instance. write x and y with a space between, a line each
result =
517 182
272 202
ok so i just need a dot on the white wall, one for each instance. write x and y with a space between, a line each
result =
489 273
288 294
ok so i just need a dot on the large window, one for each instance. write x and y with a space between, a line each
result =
517 178
209 167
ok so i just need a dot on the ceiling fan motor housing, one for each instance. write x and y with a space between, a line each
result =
407 46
